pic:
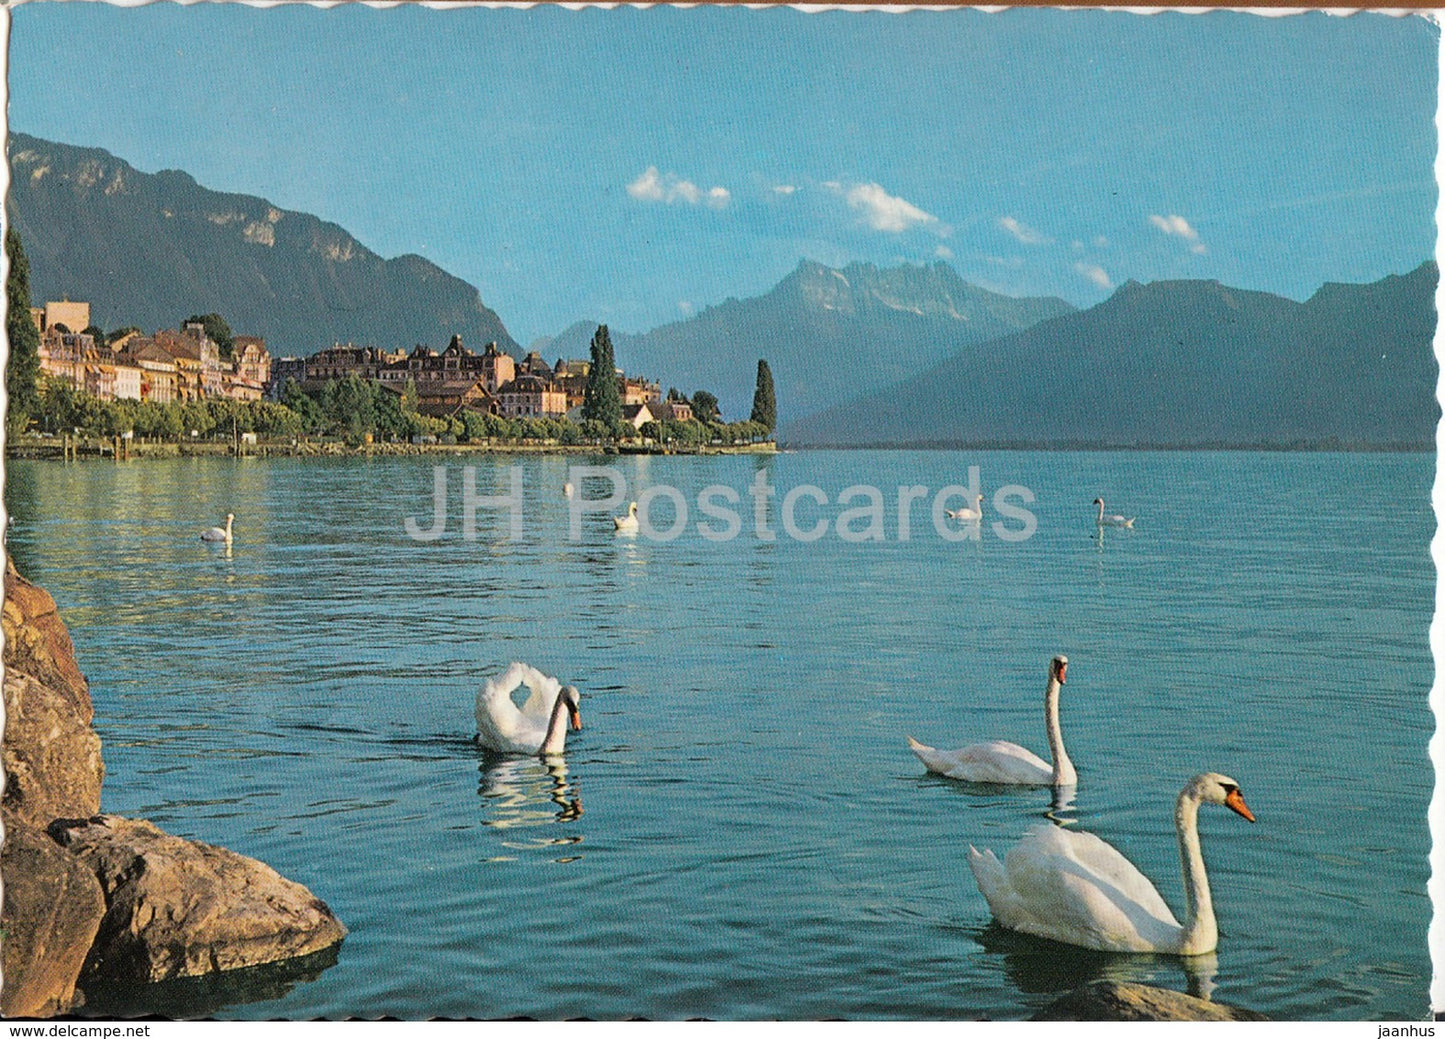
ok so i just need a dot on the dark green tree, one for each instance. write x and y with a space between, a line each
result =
765 404
704 407
349 405
600 398
22 373
216 327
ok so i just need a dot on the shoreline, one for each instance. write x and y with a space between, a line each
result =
99 448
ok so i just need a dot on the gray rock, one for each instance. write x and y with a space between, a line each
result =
1125 1001
180 908
52 909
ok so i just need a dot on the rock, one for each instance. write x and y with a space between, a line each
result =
1125 1001
51 755
52 909
180 908
37 643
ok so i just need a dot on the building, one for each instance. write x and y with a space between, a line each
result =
250 360
498 368
639 391
128 381
73 317
443 398
637 415
674 410
337 362
531 396
63 354
157 368
283 369
198 361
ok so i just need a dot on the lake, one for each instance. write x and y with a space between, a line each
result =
740 830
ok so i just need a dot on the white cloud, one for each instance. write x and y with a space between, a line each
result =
784 189
1174 224
885 212
685 307
1023 232
1094 273
670 188
943 252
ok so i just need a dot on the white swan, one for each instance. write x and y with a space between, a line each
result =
628 522
1112 521
1073 887
539 726
219 533
1001 762
967 514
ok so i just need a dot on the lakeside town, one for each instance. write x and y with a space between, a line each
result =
199 387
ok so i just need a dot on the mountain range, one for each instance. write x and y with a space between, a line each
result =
150 249
1177 363
910 355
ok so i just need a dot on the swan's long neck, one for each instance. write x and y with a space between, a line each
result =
1201 932
1101 510
1064 774
556 738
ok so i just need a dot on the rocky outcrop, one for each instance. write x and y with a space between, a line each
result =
1124 1001
52 910
51 755
93 902
180 908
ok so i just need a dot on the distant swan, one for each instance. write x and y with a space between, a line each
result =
219 533
1001 762
539 726
629 522
1072 887
967 514
1112 521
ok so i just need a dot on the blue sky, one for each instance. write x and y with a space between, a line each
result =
634 166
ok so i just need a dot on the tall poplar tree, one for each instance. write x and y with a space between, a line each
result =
765 404
600 398
22 371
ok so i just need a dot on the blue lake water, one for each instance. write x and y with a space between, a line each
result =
740 830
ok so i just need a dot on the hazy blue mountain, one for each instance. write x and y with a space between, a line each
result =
827 335
151 249
1177 363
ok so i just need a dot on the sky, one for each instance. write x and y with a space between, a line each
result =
634 166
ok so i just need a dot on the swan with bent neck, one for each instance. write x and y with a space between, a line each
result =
1072 887
539 726
1004 762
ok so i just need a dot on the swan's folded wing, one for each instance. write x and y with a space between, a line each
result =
497 713
995 762
543 692
1078 889
1112 869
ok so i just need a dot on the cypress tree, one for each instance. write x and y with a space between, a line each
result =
22 373
600 399
765 405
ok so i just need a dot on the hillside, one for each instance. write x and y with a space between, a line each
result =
151 249
1177 363
827 335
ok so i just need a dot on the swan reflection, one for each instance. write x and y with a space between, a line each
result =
1061 805
1038 965
524 792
